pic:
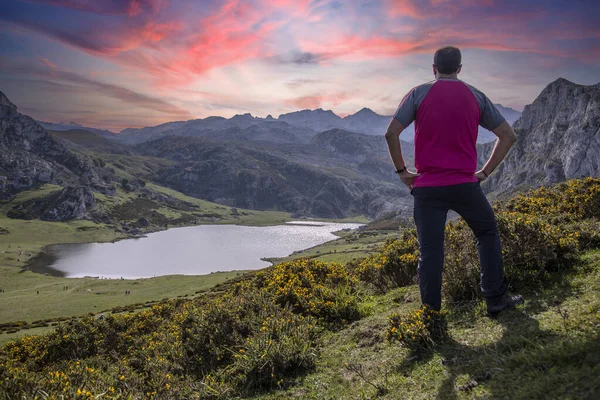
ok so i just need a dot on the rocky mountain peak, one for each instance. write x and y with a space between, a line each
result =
558 139
30 157
4 101
365 112
558 100
561 82
242 116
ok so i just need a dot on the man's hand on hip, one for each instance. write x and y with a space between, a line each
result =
481 175
408 178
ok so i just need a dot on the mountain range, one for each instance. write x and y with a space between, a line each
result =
67 126
295 127
300 162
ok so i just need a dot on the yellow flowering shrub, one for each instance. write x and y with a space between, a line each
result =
282 347
166 351
313 288
418 329
394 265
576 199
531 248
245 341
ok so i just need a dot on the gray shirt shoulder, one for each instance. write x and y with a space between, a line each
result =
407 110
491 118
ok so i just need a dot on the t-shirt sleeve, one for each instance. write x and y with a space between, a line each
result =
407 110
491 118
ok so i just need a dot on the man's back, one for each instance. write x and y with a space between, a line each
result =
446 114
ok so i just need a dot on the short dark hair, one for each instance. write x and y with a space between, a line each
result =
447 59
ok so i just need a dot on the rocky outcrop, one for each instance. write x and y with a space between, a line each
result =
30 156
63 205
558 139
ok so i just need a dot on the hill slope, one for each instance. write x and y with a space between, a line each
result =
82 140
313 330
31 157
325 178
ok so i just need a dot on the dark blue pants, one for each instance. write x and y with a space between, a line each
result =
430 212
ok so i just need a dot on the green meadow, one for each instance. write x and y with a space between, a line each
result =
30 296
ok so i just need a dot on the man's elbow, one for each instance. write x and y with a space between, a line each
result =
506 133
390 135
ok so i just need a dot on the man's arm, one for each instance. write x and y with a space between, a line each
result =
392 136
506 138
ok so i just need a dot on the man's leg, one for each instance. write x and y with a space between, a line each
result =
470 202
430 214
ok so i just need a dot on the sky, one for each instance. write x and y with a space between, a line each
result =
114 64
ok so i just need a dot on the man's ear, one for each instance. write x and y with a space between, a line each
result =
434 70
459 68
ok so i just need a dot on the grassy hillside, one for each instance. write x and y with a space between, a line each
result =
308 329
547 349
352 245
20 241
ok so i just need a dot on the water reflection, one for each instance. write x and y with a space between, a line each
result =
194 250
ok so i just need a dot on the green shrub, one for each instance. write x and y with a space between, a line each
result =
326 291
461 274
244 342
283 347
578 199
531 249
418 329
394 265
587 232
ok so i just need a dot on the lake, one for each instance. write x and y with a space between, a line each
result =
193 250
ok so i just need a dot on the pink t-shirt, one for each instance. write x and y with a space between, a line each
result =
446 113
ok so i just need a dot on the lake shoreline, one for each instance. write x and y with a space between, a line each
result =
39 263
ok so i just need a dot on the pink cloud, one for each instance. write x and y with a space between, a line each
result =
406 8
317 100
48 63
426 9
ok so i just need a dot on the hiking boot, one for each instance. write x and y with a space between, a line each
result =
497 304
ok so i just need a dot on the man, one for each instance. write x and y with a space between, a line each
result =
446 113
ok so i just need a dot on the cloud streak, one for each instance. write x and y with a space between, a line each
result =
74 82
220 56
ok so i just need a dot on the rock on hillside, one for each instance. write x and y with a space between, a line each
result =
63 205
30 156
558 139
